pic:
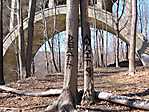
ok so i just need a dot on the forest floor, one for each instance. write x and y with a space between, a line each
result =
114 80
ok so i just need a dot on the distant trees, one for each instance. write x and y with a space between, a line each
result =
29 55
132 41
1 44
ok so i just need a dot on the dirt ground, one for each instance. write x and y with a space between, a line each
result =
114 80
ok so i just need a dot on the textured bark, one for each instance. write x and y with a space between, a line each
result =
31 15
127 51
128 15
88 96
98 50
102 48
52 53
117 35
45 32
21 48
118 18
68 98
1 44
133 38
59 53
11 26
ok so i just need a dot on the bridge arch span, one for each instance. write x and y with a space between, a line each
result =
103 19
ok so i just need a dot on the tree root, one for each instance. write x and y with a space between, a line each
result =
65 103
88 98
50 92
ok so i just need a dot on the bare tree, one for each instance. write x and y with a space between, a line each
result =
21 46
101 46
127 51
45 33
140 15
88 95
51 45
146 23
12 13
133 38
31 15
117 22
1 44
68 97
59 52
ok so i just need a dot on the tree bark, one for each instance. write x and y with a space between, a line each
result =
102 48
45 33
59 53
117 35
11 26
68 98
118 18
21 46
52 53
31 15
2 82
133 38
88 96
127 52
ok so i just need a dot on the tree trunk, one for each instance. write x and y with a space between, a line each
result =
31 15
102 48
133 38
117 35
118 17
68 98
21 48
59 53
127 52
11 26
140 15
45 33
106 49
52 53
117 53
1 44
98 49
88 96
